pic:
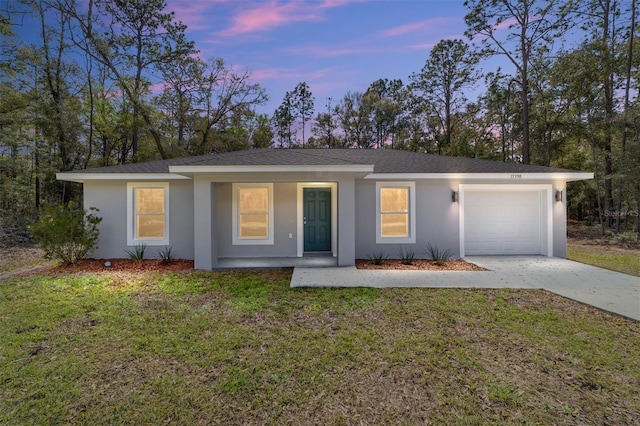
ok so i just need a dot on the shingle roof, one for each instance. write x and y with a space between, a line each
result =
383 160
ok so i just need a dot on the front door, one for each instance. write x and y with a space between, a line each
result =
317 219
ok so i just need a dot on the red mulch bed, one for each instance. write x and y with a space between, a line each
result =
120 265
420 265
153 265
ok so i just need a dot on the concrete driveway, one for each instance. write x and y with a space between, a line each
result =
604 289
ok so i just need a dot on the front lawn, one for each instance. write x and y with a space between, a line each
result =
242 348
614 258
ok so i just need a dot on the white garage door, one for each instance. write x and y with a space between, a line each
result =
502 222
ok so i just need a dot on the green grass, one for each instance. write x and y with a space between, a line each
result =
628 263
242 348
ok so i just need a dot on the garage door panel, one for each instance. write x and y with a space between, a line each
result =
502 222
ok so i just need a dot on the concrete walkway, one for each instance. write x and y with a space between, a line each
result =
604 289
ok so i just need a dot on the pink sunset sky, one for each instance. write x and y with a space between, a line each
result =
334 46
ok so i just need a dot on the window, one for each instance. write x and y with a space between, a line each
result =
395 221
252 213
147 213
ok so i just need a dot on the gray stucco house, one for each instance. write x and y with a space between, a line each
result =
345 203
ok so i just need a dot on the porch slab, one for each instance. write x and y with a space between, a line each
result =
276 262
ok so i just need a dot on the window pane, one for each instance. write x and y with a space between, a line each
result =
394 199
150 226
254 226
149 200
394 225
253 200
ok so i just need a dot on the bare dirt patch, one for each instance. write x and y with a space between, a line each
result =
420 265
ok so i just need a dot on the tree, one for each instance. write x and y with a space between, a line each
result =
283 119
183 78
354 114
324 127
531 25
601 23
302 102
501 111
224 95
625 125
132 38
442 84
386 98
260 133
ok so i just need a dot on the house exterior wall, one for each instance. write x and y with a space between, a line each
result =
201 208
110 197
436 220
285 224
560 222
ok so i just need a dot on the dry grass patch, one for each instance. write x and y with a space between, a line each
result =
615 258
14 259
240 347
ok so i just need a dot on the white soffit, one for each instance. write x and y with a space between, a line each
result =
82 177
358 168
511 177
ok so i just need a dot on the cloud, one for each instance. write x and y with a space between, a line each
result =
317 51
192 13
266 16
421 26
289 74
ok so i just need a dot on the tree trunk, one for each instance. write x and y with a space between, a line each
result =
623 142
524 95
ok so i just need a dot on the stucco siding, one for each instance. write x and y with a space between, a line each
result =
110 197
436 220
285 225
560 222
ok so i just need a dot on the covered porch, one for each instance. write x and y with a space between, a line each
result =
216 219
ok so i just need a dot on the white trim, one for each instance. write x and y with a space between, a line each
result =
272 168
235 238
300 214
511 177
81 177
131 213
411 239
545 189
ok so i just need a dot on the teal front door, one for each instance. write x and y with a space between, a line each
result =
317 219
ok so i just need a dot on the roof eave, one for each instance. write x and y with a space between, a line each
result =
356 168
515 177
83 177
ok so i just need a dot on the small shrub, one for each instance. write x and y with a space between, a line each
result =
406 256
137 253
378 258
437 255
67 233
628 239
165 255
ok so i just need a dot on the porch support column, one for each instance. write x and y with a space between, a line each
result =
346 222
204 208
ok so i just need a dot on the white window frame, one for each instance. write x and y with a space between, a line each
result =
411 239
131 214
235 215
